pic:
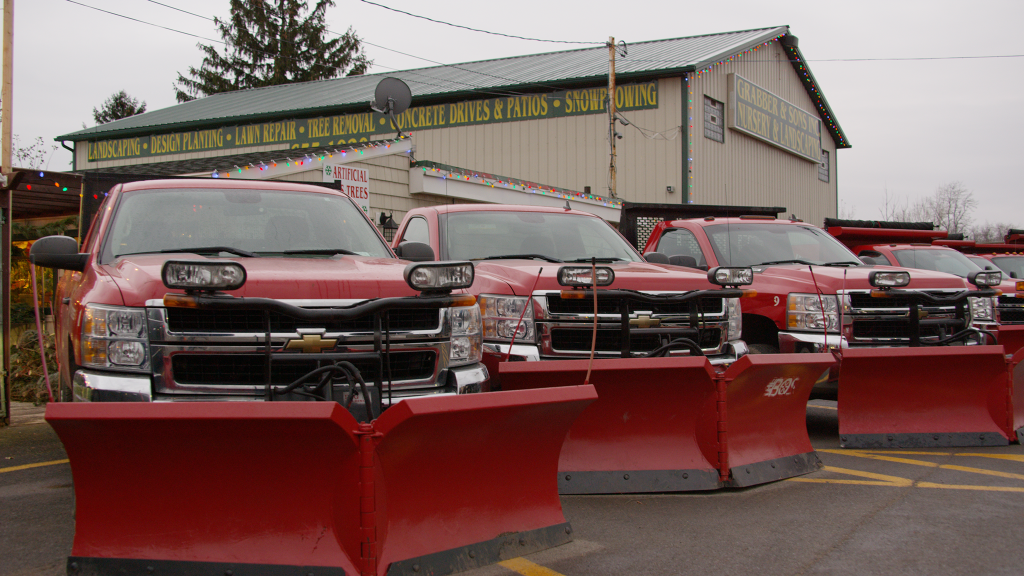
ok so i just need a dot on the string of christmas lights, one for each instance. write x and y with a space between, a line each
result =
307 157
493 181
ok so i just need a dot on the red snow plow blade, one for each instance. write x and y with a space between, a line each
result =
922 397
652 429
1011 338
301 487
766 403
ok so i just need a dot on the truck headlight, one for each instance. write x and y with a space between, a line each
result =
985 279
189 275
804 312
439 276
982 309
501 316
115 337
732 306
467 338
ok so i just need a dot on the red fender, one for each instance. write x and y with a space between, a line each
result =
653 427
766 416
919 397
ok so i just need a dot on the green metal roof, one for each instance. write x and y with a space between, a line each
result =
485 78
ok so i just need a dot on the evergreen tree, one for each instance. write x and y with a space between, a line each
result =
270 42
118 106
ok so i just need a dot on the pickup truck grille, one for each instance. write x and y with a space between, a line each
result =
191 320
610 340
878 321
247 369
1011 310
558 305
567 324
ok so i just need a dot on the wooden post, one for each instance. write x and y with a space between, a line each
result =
6 206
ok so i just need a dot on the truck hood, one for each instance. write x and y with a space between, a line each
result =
340 277
497 276
830 279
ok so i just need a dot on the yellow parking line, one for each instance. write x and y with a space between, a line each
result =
871 456
878 479
36 465
822 407
960 487
1013 457
527 568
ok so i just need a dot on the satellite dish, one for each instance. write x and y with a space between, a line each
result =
392 96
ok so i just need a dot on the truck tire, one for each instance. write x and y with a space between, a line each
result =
762 349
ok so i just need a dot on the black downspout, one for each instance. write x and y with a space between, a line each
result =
73 159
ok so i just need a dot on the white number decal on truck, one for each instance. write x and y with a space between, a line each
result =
776 300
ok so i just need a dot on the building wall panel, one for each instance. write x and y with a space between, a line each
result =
747 171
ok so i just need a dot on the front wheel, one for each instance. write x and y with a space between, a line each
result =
762 349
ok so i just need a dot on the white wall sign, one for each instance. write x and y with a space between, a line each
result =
355 182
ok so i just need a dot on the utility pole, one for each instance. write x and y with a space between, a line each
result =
611 115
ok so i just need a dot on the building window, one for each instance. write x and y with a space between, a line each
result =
714 120
823 167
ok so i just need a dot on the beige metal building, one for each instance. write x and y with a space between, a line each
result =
732 118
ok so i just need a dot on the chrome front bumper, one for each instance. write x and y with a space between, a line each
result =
792 342
732 351
104 387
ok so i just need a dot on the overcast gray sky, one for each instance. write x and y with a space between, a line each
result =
928 92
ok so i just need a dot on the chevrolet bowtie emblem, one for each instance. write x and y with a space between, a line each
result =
311 343
645 322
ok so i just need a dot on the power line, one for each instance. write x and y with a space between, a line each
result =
482 31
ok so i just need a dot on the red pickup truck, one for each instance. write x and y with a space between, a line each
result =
225 289
519 253
813 294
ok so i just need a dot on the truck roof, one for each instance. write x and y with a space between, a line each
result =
227 183
452 208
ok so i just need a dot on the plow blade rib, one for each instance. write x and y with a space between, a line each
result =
207 488
470 480
1016 369
1011 338
922 397
767 416
653 427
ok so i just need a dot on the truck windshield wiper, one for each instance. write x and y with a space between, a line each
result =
794 261
842 263
211 249
317 251
599 259
522 257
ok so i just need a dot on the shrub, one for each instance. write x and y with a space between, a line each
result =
28 383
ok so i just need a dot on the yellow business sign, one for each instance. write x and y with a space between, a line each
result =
763 115
366 126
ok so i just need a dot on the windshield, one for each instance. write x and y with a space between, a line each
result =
1012 265
751 244
949 261
246 222
557 237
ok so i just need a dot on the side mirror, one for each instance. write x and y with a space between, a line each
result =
1013 275
656 258
415 252
59 252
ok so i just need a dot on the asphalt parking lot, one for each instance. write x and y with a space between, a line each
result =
931 511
